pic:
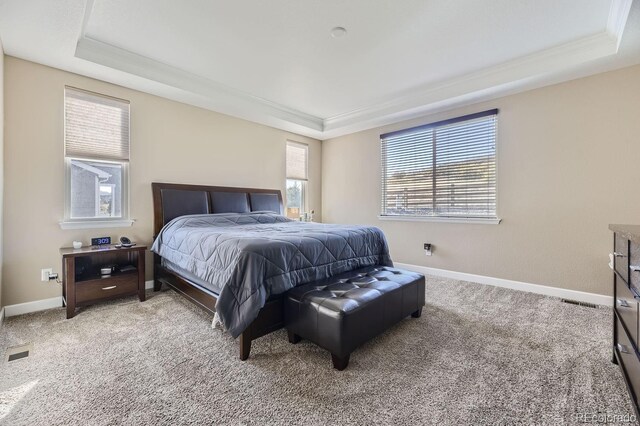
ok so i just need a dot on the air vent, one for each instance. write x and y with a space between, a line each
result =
19 352
575 302
18 355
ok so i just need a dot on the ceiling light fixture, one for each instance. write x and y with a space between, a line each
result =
338 32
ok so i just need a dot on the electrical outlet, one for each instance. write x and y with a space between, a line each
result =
44 274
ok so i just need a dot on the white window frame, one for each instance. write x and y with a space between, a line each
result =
446 219
304 183
303 204
95 222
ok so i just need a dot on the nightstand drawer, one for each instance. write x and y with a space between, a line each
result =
621 256
106 288
627 308
630 362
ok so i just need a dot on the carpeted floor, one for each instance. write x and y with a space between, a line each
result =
478 355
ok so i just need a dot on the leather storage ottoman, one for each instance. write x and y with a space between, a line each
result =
342 312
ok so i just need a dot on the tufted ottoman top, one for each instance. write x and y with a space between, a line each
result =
351 290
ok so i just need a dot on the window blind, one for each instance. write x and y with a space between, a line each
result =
96 126
444 169
297 161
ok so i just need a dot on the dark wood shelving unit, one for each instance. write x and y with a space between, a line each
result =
97 276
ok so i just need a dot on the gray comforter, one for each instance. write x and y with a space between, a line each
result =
252 256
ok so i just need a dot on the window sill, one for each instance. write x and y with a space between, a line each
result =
471 220
96 224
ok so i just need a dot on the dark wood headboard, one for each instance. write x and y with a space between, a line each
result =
171 200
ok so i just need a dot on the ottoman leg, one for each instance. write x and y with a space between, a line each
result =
293 337
417 313
340 363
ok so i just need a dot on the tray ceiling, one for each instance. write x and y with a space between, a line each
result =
277 63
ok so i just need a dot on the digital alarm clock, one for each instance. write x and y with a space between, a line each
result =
100 241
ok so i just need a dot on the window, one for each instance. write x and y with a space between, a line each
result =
297 159
96 140
443 170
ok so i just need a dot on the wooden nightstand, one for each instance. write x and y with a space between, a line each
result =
84 284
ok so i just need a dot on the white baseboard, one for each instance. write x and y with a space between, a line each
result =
580 296
38 305
41 305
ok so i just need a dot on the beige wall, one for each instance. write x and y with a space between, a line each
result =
170 142
1 157
568 165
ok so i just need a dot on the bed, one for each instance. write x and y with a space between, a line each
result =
230 251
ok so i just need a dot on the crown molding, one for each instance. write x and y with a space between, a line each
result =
515 75
88 9
618 14
223 98
524 73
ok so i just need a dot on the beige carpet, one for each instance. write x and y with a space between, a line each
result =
478 355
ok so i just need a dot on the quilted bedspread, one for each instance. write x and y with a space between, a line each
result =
252 256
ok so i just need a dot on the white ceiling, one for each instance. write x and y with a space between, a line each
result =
276 63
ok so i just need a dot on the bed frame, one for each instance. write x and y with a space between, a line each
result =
171 200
